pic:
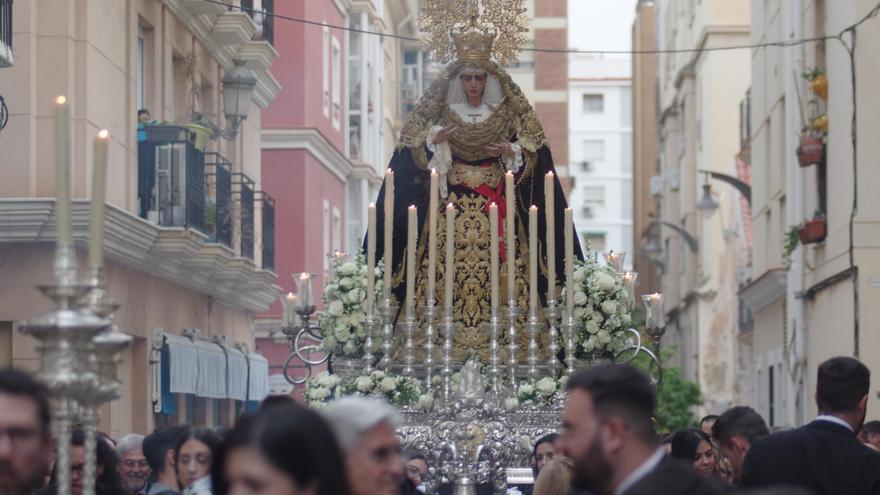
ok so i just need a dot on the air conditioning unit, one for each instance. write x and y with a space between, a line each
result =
586 166
589 211
657 184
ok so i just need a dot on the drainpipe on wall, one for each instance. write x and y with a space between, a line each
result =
795 354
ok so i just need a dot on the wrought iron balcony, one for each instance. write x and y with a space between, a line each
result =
218 206
171 177
6 33
263 17
268 232
244 191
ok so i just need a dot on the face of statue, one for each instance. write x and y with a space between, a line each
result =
473 84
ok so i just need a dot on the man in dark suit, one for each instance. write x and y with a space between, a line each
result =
824 455
734 431
607 431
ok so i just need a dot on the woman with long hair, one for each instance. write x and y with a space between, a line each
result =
554 478
193 458
283 449
694 446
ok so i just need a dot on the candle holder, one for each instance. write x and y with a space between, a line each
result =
569 326
431 311
295 335
615 260
388 312
552 314
495 327
447 327
655 325
370 324
511 312
408 325
533 326
629 282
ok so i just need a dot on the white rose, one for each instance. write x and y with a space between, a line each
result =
546 386
342 333
335 308
580 298
349 347
345 283
363 384
319 393
363 271
580 313
324 379
329 343
590 344
604 281
579 275
348 268
511 403
426 401
563 381
526 390
604 336
609 307
388 384
592 327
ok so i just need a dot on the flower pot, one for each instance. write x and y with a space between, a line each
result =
201 134
810 151
813 231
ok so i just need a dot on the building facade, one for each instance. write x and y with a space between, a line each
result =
600 142
188 230
814 297
698 131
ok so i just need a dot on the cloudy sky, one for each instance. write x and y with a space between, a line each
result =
600 24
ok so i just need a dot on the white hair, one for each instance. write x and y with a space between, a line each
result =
128 443
351 417
492 94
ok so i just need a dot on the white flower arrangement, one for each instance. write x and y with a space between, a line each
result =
543 392
344 298
601 308
398 390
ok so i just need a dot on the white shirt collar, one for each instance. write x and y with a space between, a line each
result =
836 420
641 471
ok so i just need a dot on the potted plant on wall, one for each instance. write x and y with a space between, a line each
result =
818 81
815 230
811 149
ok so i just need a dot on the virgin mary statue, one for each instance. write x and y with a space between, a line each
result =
472 126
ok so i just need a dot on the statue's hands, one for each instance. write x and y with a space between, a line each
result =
502 148
444 134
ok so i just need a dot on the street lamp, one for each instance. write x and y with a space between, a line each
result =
238 87
707 204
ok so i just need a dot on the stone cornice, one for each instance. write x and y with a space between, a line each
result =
314 142
180 256
764 291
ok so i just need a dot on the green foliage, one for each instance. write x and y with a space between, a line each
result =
676 400
789 244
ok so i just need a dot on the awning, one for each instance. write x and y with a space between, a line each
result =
184 357
212 370
236 374
258 384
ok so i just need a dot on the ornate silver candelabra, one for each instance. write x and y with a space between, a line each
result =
512 313
552 314
388 312
430 310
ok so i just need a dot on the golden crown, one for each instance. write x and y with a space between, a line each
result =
473 44
480 29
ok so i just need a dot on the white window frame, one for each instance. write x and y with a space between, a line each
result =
325 48
336 78
141 68
326 244
337 230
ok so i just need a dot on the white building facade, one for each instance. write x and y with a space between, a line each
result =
600 151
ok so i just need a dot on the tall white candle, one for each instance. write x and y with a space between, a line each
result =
62 170
493 255
371 258
305 289
289 309
389 231
450 257
510 236
533 260
99 194
433 206
550 213
569 261
412 226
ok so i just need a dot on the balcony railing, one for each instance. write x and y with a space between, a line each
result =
243 190
218 206
268 232
171 177
262 16
5 33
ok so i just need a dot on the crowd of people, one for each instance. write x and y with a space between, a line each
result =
607 445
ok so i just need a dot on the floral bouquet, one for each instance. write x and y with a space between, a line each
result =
543 393
345 306
324 387
398 390
601 308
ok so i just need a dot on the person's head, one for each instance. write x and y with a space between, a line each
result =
143 115
734 432
158 449
707 422
107 475
283 449
544 451
25 437
473 82
606 426
694 446
133 466
555 478
416 466
842 389
870 433
194 454
666 442
365 430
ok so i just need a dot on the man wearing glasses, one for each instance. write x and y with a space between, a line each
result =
25 438
133 466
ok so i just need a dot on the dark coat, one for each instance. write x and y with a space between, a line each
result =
672 477
822 456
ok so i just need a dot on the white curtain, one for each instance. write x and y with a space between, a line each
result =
259 377
212 371
184 356
236 374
